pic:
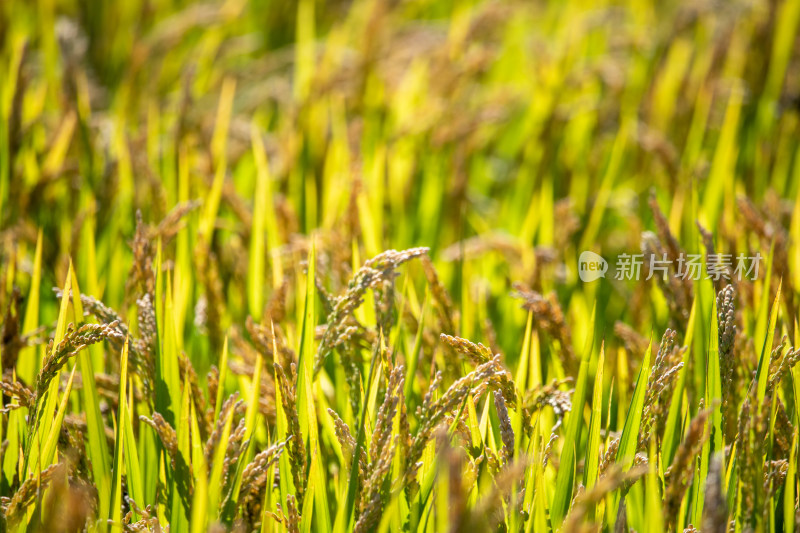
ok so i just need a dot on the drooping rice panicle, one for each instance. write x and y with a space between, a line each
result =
73 342
431 412
166 433
27 493
297 451
381 454
506 431
550 319
680 472
374 272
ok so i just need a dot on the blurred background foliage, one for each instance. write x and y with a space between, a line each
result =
511 135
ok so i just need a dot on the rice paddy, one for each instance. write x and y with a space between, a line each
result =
410 266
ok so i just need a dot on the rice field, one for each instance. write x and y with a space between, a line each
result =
399 266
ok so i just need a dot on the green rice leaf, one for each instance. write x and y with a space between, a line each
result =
566 473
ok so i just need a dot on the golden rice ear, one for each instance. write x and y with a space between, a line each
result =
297 449
550 319
432 412
477 352
142 277
506 431
165 432
232 406
382 452
292 518
377 275
255 473
73 342
23 396
662 376
448 314
14 508
680 472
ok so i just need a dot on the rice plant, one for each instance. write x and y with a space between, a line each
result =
399 266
